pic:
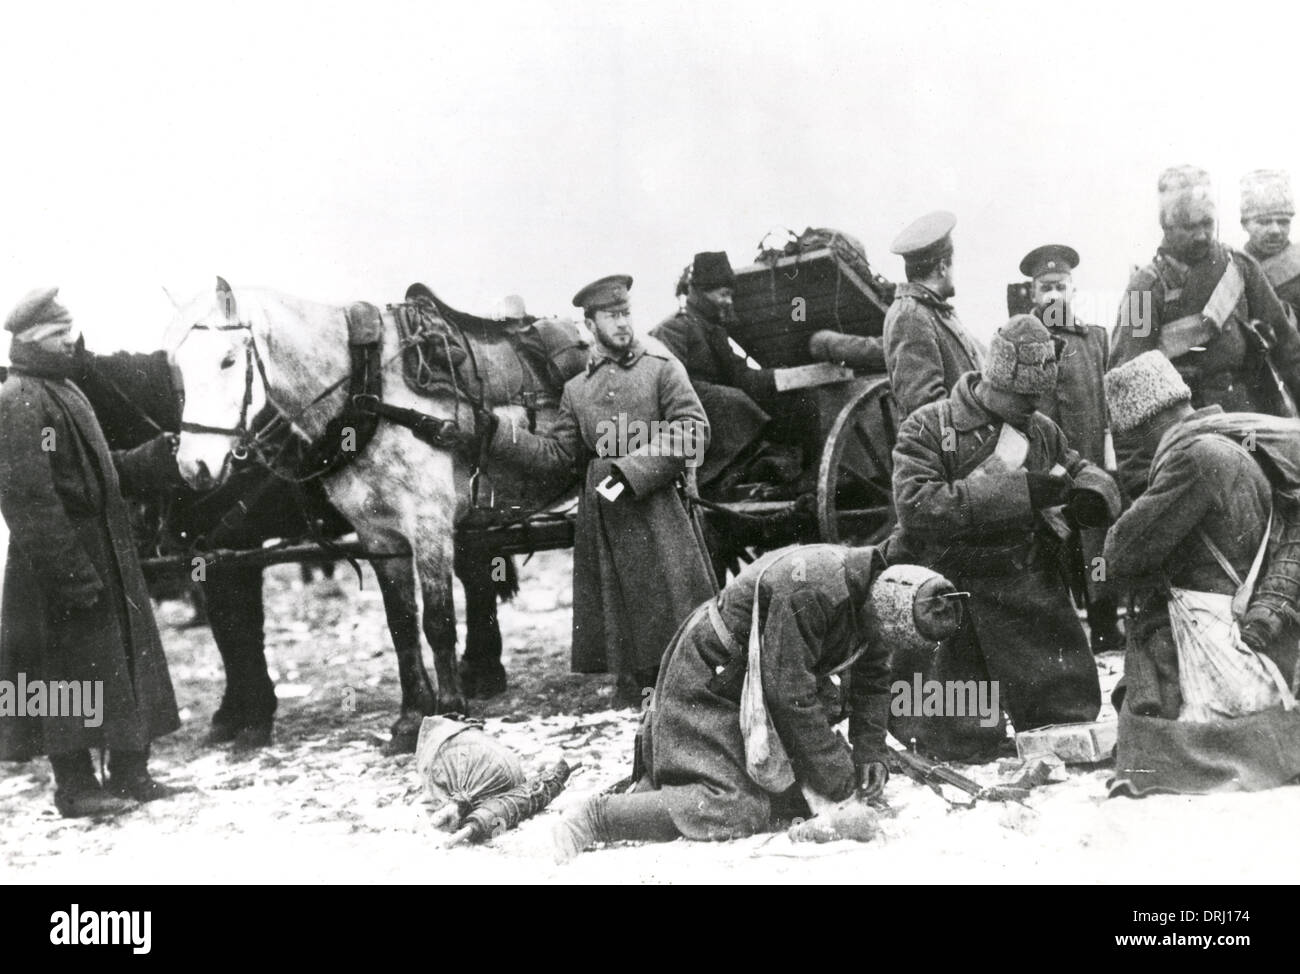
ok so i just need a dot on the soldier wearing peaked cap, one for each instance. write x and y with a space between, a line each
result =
1078 407
633 428
1267 208
926 346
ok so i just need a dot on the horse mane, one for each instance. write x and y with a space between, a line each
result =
124 385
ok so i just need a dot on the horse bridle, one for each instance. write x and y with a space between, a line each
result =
252 361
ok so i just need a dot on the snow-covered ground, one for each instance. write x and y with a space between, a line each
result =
323 803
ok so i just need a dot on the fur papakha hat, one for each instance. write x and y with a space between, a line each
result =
1265 192
1182 185
1022 357
1138 390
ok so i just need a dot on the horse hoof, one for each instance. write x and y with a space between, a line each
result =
253 736
483 683
402 742
223 730
452 705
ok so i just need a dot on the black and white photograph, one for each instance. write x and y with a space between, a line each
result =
661 443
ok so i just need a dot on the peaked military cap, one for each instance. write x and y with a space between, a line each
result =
605 294
1049 259
928 238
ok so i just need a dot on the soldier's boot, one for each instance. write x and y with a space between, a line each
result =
1103 626
128 777
634 817
77 793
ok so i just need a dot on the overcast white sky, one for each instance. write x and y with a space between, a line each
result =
340 151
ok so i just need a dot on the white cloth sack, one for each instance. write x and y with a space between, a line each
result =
1218 674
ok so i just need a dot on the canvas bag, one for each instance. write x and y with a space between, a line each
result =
766 760
1218 674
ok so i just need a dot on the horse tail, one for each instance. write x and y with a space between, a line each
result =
507 587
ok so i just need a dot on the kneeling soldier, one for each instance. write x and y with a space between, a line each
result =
979 482
766 669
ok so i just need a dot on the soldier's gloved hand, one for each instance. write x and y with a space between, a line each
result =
1088 509
872 777
1047 490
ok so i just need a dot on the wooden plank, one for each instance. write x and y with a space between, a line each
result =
808 376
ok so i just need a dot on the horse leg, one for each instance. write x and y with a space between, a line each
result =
397 585
434 559
481 673
247 711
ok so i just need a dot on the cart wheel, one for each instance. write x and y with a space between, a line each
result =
855 496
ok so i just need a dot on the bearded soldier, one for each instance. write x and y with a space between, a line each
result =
1209 309
639 563
1267 208
1078 407
742 403
927 349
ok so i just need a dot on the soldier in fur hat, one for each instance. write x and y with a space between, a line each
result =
983 484
812 628
1210 309
1267 209
1198 694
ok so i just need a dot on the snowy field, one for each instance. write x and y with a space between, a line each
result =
323 804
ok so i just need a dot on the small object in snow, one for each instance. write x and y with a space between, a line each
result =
851 819
461 765
1083 743
507 810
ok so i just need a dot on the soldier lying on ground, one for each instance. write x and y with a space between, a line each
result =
798 633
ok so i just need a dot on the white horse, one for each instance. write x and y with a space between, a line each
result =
237 355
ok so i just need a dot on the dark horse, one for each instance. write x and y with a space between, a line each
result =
135 397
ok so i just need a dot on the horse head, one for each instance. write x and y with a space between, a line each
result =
214 353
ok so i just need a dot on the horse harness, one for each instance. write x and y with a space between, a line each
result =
439 359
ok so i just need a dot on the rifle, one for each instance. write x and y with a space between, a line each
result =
926 772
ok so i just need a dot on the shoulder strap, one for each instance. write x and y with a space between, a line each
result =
1220 557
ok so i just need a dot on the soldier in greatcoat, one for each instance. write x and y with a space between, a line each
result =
817 625
927 348
980 482
76 607
1206 700
1078 407
633 427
